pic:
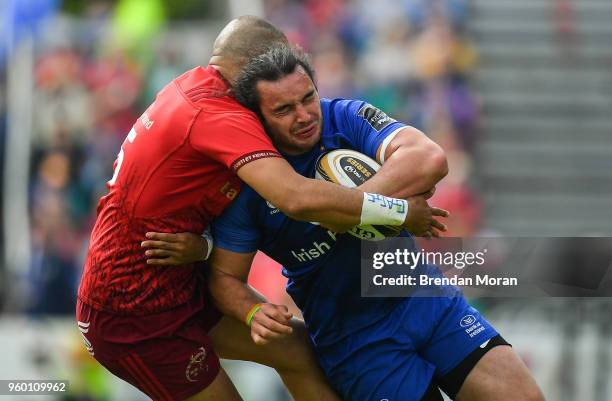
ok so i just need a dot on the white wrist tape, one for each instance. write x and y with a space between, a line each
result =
209 241
379 209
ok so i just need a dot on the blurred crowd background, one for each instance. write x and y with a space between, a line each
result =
518 93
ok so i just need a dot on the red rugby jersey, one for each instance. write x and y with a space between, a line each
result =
174 173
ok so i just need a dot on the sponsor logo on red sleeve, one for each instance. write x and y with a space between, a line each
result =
252 157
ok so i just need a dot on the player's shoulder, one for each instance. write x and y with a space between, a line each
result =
339 112
206 89
200 82
359 112
340 103
341 107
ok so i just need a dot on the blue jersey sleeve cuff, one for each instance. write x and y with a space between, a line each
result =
235 247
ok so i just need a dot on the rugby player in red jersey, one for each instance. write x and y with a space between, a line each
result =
179 167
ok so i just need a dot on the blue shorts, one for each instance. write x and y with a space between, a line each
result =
396 358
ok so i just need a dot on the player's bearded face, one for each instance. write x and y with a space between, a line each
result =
291 112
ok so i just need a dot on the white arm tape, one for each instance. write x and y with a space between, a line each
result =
209 242
379 209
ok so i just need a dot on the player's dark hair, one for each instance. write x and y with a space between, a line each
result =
278 62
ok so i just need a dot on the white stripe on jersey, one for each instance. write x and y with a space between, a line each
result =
386 142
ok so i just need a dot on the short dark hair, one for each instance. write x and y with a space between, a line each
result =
278 62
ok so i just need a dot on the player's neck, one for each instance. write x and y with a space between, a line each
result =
226 71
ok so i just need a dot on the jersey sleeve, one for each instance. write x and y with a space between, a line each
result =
235 230
232 138
364 126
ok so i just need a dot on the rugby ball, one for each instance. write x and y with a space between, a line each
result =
350 168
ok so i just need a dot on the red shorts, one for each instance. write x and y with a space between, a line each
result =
173 364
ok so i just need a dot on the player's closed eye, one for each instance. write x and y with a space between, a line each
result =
282 111
308 98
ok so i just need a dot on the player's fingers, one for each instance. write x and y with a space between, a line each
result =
158 244
280 313
274 325
425 229
269 314
436 224
439 212
264 332
276 330
162 262
159 253
257 339
285 312
168 237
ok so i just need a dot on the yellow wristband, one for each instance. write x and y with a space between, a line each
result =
251 314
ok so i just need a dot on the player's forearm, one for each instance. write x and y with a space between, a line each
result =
327 203
232 296
332 205
408 171
302 198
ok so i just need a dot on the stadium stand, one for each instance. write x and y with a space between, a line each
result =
544 164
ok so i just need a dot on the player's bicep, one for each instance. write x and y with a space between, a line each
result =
229 263
236 238
406 138
392 142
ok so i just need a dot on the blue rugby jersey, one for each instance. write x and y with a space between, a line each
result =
322 267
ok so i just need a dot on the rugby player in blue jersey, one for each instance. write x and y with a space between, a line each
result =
395 349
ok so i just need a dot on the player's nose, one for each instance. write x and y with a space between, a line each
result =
301 114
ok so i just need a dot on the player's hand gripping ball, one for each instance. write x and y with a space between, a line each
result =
351 169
